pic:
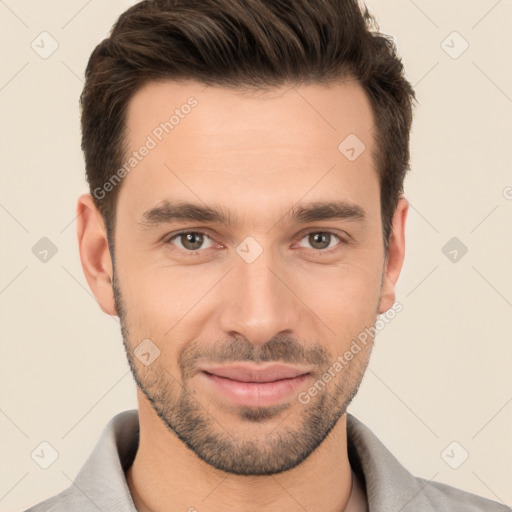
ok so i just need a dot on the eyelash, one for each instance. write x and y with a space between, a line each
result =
168 241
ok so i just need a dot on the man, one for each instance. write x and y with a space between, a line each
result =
246 223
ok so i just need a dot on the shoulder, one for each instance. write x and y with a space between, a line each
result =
390 486
445 497
66 501
101 482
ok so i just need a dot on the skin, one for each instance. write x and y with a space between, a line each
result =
256 155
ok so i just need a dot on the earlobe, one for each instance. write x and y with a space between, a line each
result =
395 256
94 253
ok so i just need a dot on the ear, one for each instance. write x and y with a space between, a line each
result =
94 253
395 256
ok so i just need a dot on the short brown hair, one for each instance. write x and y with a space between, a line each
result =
253 44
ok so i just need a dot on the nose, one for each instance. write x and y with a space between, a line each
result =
259 301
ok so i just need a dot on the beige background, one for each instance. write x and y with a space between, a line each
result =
440 371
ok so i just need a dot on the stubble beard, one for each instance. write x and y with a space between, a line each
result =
273 452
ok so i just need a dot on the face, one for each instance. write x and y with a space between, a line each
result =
248 258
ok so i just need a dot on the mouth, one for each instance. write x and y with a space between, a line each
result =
254 385
255 374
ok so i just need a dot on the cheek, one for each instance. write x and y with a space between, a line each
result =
346 298
162 305
348 285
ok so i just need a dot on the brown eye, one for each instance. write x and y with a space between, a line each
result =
322 240
190 241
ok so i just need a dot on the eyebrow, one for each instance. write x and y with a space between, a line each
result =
167 212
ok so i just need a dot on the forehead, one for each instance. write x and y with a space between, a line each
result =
214 144
273 117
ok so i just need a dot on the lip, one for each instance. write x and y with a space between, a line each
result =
256 373
251 385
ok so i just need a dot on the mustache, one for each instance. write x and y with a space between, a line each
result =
281 348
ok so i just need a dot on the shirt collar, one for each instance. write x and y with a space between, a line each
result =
101 482
389 486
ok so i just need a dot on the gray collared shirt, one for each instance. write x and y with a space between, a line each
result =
101 483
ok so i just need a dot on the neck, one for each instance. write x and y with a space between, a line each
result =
167 476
